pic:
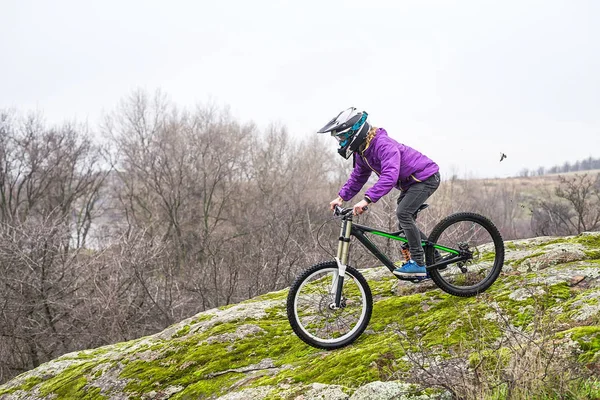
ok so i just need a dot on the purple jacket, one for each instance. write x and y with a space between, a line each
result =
397 165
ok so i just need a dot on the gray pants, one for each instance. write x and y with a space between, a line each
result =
408 202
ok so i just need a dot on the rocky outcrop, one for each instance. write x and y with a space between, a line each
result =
248 351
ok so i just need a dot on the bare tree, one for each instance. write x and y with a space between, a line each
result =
49 185
574 208
583 194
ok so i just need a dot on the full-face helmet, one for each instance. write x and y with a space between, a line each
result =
350 128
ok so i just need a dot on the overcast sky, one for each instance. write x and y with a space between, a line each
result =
461 81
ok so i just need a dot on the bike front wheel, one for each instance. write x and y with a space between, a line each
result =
479 237
311 306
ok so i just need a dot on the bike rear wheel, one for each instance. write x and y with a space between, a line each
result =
478 235
311 311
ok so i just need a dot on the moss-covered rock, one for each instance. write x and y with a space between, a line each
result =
548 293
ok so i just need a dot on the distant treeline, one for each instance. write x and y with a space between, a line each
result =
588 164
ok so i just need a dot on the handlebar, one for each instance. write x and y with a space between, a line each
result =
340 211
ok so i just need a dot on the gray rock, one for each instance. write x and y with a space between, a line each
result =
265 364
163 394
109 382
587 311
239 312
587 306
556 275
383 391
257 393
34 394
376 274
320 391
241 332
525 293
556 253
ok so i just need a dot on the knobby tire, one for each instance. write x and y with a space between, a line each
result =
473 290
296 325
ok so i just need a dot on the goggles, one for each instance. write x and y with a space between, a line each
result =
342 137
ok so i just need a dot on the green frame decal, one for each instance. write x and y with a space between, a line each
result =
403 239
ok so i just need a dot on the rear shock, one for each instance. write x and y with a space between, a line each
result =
405 252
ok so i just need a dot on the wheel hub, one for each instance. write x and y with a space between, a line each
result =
327 304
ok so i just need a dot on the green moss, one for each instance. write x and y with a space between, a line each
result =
72 384
383 287
523 312
591 241
191 362
572 306
208 388
592 301
506 283
487 257
93 353
593 254
201 318
296 392
31 382
521 260
25 386
356 365
555 241
279 295
391 309
588 338
461 325
182 332
351 366
292 393
559 291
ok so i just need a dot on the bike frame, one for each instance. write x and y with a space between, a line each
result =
358 231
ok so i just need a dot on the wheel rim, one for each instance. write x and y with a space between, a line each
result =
478 240
312 307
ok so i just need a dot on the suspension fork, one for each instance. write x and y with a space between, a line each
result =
342 261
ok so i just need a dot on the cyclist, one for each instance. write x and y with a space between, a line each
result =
396 165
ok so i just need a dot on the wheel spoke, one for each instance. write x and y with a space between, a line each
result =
316 322
475 234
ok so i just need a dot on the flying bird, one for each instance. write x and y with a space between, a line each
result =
502 156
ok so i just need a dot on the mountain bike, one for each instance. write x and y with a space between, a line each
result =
329 305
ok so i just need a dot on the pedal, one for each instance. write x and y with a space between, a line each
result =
413 279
